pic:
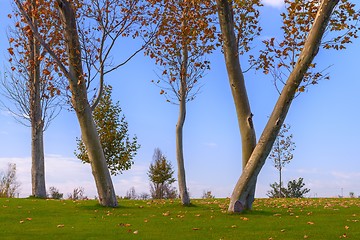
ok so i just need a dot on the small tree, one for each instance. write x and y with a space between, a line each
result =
296 189
119 149
161 177
207 195
77 194
9 186
281 152
131 194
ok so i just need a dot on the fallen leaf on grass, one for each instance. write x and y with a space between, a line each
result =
343 236
306 236
277 214
195 229
60 226
21 221
136 232
197 215
233 226
166 214
282 230
244 218
347 227
29 219
124 224
310 223
145 220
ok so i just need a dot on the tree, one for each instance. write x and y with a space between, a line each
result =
30 85
77 85
322 16
119 149
161 177
183 37
281 152
131 194
295 189
9 186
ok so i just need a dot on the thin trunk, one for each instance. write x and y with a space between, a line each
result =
82 108
280 192
184 195
238 88
37 123
263 148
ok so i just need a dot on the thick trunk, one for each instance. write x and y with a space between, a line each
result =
83 111
37 155
263 148
37 123
238 88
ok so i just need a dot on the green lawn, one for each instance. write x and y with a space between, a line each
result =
206 219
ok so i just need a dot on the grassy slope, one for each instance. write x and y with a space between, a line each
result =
206 219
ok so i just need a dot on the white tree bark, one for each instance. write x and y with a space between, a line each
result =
263 147
37 123
82 108
238 88
184 195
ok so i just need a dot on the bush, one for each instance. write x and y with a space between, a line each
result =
295 189
54 193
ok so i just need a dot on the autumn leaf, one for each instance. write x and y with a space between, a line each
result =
60 226
11 51
46 72
195 229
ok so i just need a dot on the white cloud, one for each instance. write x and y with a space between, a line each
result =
274 3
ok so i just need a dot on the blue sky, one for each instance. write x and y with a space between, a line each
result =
324 122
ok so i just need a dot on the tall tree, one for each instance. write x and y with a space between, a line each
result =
30 87
79 99
281 152
183 38
323 16
111 27
118 148
239 25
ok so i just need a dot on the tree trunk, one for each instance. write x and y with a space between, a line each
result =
280 192
82 108
184 195
238 88
263 148
37 123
